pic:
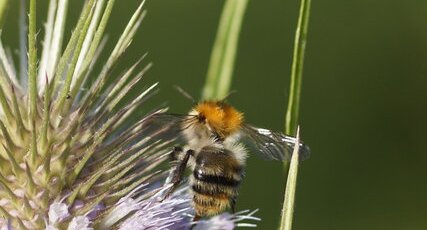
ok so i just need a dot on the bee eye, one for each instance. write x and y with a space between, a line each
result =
202 118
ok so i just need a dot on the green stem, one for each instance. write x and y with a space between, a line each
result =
297 67
32 68
223 55
291 184
291 122
4 5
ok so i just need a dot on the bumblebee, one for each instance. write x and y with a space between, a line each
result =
214 134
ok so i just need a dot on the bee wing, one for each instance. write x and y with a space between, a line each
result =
272 145
166 126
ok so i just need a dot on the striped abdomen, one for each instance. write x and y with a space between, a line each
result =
215 180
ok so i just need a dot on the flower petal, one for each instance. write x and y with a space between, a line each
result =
57 212
79 223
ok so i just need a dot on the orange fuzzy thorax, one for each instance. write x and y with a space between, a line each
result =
221 118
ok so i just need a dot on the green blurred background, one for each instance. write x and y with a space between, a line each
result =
363 107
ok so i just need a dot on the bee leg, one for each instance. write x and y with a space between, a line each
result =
233 204
173 154
177 173
173 157
195 219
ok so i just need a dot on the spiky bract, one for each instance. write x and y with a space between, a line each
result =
68 152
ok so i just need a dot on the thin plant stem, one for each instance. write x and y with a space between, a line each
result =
291 184
32 65
297 68
291 120
221 65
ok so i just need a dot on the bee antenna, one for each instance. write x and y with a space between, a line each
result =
185 94
228 95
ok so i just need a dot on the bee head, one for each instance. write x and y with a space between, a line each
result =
220 118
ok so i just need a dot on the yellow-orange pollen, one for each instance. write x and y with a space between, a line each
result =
222 118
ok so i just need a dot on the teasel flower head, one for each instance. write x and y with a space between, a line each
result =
74 154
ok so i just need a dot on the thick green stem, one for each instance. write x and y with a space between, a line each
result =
223 55
297 68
